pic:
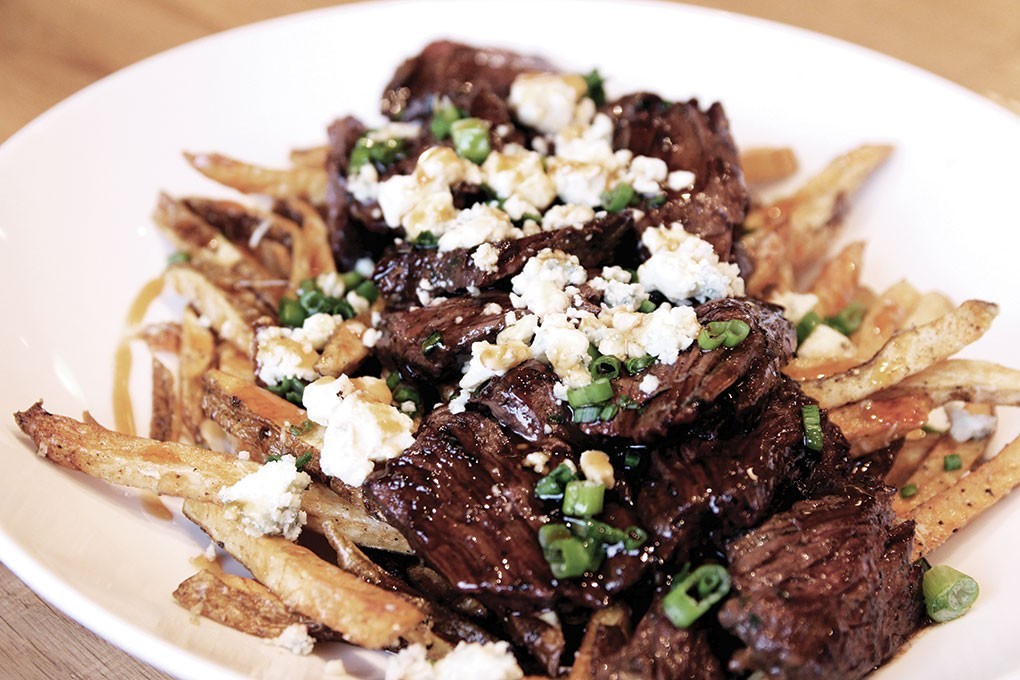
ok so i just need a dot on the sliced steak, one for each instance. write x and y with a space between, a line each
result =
824 590
687 138
736 379
459 322
454 70
452 272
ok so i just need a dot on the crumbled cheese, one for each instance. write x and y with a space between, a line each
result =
591 144
244 455
478 224
279 355
268 501
370 337
332 284
537 461
564 348
795 305
295 639
210 552
678 180
645 173
649 384
541 284
365 266
364 185
663 333
359 304
432 213
486 258
683 266
825 342
578 183
362 425
518 174
617 293
478 661
517 208
966 425
437 169
938 421
567 215
546 101
395 130
318 328
597 467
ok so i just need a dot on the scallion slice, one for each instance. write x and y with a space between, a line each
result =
723 334
426 239
948 593
291 313
587 414
551 486
812 417
596 87
471 139
433 342
367 290
908 491
647 307
848 319
695 594
635 365
605 367
583 498
351 279
180 257
571 557
303 460
596 392
807 323
442 118
618 198
952 462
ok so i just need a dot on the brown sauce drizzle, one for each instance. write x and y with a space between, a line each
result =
123 411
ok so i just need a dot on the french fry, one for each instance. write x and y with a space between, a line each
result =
264 236
197 355
344 351
905 354
885 317
164 425
311 252
363 614
313 157
929 307
767 164
931 477
243 604
965 380
910 456
231 316
233 361
943 515
161 337
836 285
873 424
302 181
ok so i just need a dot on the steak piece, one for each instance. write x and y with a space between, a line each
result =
737 379
522 401
687 138
658 650
824 590
459 322
718 481
457 71
453 272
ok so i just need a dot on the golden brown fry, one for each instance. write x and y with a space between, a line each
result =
344 352
905 354
197 353
885 317
161 337
931 477
929 307
605 627
229 314
243 604
363 614
165 425
965 380
311 252
943 515
909 457
767 246
264 236
836 285
233 361
302 181
873 424
767 164
313 157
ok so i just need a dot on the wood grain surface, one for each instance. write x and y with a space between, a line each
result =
50 49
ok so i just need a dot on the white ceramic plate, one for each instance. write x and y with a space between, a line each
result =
76 243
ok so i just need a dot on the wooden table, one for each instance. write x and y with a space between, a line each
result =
50 49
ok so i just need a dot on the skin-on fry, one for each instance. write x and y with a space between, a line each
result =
885 317
612 623
943 515
965 380
313 157
767 164
344 351
363 614
929 307
873 424
303 181
173 469
243 604
905 354
164 425
836 285
161 337
233 361
311 252
909 458
228 314
197 354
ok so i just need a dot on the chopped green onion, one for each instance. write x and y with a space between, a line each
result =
948 593
923 563
635 365
291 313
550 533
433 342
807 323
848 319
711 583
593 352
626 402
570 557
303 428
656 200
723 334
180 257
302 460
608 412
636 537
647 307
596 392
367 290
952 462
290 388
596 530
908 491
583 498
426 239
605 367
812 418
551 486
307 285
392 380
618 198
351 279
404 393
471 139
378 151
632 459
316 302
442 118
273 458
587 414
596 87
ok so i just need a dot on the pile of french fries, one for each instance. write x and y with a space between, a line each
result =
211 424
